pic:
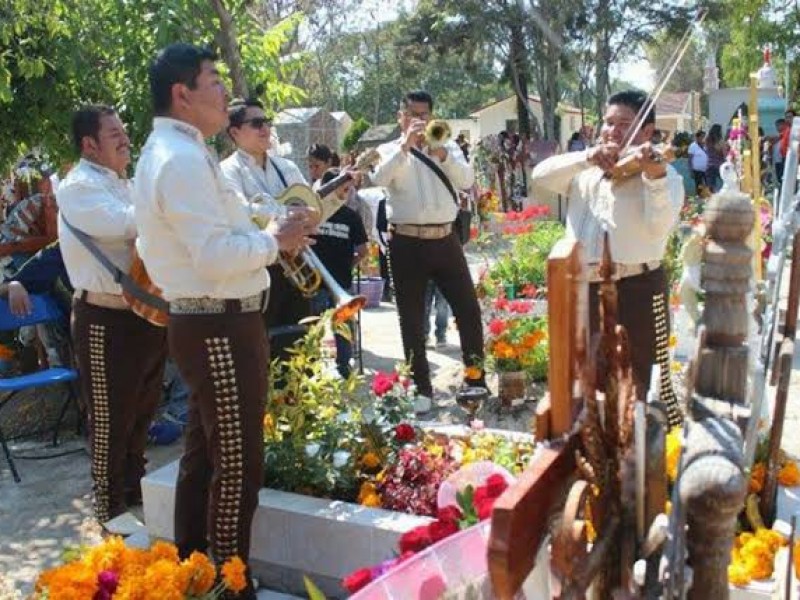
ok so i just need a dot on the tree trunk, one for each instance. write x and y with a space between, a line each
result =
226 39
519 77
602 57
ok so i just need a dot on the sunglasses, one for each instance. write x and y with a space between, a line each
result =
258 122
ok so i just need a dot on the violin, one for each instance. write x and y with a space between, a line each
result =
630 165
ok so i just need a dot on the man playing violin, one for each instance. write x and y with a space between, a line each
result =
639 214
203 250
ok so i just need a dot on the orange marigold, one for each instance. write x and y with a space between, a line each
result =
164 551
202 573
473 372
789 475
757 476
234 574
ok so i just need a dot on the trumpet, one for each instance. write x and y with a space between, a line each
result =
307 273
437 133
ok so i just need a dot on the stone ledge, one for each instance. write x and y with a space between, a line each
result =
295 535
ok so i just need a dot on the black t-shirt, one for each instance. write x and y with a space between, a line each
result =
336 244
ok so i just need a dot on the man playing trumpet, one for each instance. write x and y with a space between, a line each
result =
424 246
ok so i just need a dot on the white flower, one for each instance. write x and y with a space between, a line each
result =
312 449
340 458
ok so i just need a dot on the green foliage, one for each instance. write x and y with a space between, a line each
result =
56 55
526 263
353 134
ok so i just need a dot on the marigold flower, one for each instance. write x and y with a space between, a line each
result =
789 475
673 452
473 372
371 460
757 476
234 574
202 573
164 551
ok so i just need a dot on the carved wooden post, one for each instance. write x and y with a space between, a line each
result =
713 489
726 272
712 484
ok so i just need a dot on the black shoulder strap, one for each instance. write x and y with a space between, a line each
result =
439 173
120 277
279 172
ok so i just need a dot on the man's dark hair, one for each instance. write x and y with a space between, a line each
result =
779 122
418 96
700 133
177 63
86 121
633 99
329 175
320 152
238 109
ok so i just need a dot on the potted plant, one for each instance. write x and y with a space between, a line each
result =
517 350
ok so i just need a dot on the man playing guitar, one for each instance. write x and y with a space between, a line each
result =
120 355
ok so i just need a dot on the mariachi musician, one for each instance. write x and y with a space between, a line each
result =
203 250
258 179
639 214
120 355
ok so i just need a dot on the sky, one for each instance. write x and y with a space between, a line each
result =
637 72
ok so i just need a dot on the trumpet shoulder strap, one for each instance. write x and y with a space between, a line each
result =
426 160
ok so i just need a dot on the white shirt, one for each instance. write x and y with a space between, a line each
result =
195 236
642 211
416 195
98 202
258 186
698 157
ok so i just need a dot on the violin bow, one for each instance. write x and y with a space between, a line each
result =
672 64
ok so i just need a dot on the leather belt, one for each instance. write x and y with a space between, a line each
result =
623 270
424 232
102 299
217 306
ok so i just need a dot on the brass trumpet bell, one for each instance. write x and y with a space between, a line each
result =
347 305
437 133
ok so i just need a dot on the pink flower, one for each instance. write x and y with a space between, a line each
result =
501 303
520 307
383 383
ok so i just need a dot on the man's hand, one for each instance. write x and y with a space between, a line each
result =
18 300
292 231
653 165
440 153
604 156
414 135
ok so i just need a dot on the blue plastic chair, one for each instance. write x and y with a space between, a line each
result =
44 310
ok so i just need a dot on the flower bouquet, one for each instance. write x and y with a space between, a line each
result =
113 570
518 343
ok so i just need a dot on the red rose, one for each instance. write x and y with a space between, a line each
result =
484 509
404 433
497 326
480 495
415 540
439 530
451 514
357 580
495 485
383 383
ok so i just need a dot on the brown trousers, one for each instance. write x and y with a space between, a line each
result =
415 262
635 312
224 360
120 359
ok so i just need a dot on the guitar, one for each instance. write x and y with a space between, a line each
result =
294 195
146 310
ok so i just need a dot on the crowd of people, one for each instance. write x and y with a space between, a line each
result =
215 236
